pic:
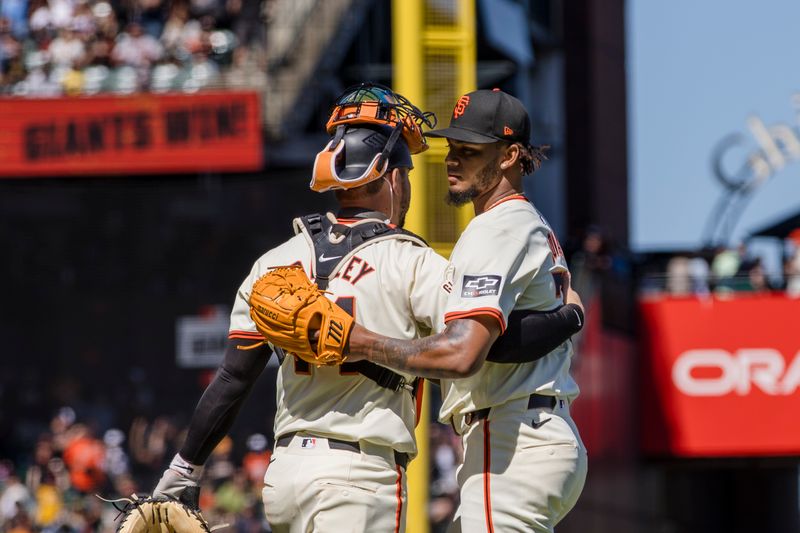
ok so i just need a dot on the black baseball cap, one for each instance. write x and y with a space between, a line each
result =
487 116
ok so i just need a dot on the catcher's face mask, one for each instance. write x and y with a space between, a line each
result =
377 108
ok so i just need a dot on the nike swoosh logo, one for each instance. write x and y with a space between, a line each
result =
537 425
577 314
323 259
189 469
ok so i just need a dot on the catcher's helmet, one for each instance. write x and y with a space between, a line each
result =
356 157
374 129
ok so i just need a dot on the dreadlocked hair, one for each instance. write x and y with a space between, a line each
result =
531 157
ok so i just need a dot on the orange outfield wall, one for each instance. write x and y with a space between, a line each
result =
137 134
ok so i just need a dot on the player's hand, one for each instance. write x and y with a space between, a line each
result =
571 296
174 485
180 482
356 344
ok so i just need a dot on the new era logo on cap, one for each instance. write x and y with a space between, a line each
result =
485 116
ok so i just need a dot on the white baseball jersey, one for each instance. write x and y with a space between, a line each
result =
505 260
392 287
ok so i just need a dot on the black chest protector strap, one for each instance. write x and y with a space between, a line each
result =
334 244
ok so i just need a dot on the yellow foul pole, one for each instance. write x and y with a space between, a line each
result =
434 58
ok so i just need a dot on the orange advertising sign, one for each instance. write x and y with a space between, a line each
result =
721 377
137 134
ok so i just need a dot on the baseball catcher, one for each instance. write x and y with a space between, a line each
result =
286 307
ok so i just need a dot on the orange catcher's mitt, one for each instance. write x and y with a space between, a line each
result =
286 307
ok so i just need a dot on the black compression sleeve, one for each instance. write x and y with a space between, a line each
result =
221 401
530 335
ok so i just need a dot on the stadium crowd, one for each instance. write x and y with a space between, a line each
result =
77 47
55 487
724 270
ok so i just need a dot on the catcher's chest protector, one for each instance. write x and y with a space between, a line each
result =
345 243
329 239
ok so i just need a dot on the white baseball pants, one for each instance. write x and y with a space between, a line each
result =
523 470
310 487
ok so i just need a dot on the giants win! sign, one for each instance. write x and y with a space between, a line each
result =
137 134
721 377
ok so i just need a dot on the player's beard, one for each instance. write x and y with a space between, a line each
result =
486 176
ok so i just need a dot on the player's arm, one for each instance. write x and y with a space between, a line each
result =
212 419
458 351
530 335
533 334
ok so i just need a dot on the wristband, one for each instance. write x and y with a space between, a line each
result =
185 468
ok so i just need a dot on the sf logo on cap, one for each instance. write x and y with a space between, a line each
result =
461 106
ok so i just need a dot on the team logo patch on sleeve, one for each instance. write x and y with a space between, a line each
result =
477 286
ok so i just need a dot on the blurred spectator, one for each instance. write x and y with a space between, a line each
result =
152 14
67 49
116 461
47 469
16 13
678 280
590 260
150 443
791 265
219 465
200 8
256 459
83 22
231 497
105 20
10 51
752 277
175 31
246 70
247 20
41 19
49 505
60 425
699 273
446 455
15 499
136 49
84 457
725 265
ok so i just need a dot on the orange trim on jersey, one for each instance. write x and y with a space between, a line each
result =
506 199
399 514
490 311
487 471
239 334
418 399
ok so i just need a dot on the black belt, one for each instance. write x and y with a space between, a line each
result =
401 459
534 401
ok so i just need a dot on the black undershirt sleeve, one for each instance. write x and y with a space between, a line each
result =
530 335
220 403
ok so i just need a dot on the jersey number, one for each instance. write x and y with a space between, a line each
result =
348 303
